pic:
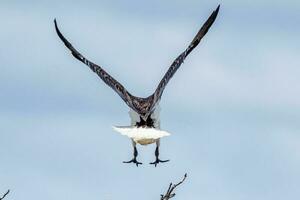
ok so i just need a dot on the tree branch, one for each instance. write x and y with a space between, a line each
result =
169 194
1 198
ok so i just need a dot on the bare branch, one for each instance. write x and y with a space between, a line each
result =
170 194
1 198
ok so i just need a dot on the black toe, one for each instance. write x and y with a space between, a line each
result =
158 161
133 161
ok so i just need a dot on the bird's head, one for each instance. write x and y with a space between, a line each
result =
143 106
145 116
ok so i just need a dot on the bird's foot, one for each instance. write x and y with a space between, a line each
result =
158 161
133 160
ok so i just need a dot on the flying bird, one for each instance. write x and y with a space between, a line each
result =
144 111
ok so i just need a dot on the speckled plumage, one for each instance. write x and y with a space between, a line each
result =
144 112
143 106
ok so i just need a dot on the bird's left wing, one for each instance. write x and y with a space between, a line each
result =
179 60
109 80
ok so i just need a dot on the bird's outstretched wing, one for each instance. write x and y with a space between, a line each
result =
179 60
109 80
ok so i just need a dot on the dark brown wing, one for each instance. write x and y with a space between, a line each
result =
179 60
110 81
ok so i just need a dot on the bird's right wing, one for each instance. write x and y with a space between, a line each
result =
109 80
179 60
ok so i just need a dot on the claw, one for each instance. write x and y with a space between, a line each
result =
133 160
158 161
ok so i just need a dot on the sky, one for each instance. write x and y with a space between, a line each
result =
233 108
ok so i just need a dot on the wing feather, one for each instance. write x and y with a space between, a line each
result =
179 60
109 80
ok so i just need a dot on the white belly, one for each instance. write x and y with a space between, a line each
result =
141 135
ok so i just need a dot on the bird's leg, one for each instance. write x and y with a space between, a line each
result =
135 154
157 160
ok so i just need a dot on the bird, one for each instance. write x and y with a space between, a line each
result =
144 111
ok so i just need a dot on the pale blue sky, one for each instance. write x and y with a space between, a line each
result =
233 108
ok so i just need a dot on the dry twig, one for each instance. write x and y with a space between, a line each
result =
169 194
1 198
